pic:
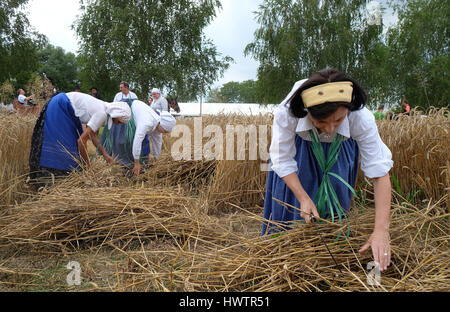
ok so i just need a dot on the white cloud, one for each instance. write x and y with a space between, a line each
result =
231 31
54 19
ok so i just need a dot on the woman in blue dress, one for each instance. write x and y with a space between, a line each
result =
59 141
325 115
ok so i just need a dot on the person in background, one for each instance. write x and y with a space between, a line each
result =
150 101
94 93
77 88
321 115
24 99
125 95
406 107
160 103
379 114
59 141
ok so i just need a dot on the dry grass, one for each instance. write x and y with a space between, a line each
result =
420 150
15 140
298 260
72 216
180 248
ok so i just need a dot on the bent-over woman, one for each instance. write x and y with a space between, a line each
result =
59 141
150 122
322 116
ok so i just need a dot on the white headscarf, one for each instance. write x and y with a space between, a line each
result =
167 121
120 110
156 90
296 86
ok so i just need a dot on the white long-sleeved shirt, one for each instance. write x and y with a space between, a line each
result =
90 110
146 121
376 158
160 104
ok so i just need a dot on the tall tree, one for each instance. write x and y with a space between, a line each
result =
297 38
234 92
18 44
59 66
150 44
419 53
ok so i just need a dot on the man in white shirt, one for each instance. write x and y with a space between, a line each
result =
24 99
159 102
125 94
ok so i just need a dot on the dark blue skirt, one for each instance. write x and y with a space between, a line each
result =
122 150
62 129
310 176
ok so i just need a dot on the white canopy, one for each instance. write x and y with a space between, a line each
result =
193 109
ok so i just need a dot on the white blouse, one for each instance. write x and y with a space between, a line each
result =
90 110
160 104
146 120
376 158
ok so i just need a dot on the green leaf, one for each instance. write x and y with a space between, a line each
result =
344 182
397 186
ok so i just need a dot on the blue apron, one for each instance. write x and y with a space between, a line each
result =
310 175
121 149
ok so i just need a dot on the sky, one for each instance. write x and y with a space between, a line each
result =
231 30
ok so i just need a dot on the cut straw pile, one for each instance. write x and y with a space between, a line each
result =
204 253
64 217
298 260
191 176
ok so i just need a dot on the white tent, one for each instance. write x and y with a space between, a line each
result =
193 109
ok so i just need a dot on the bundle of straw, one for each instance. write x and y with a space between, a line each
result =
299 261
66 217
191 175
241 180
99 175
236 175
